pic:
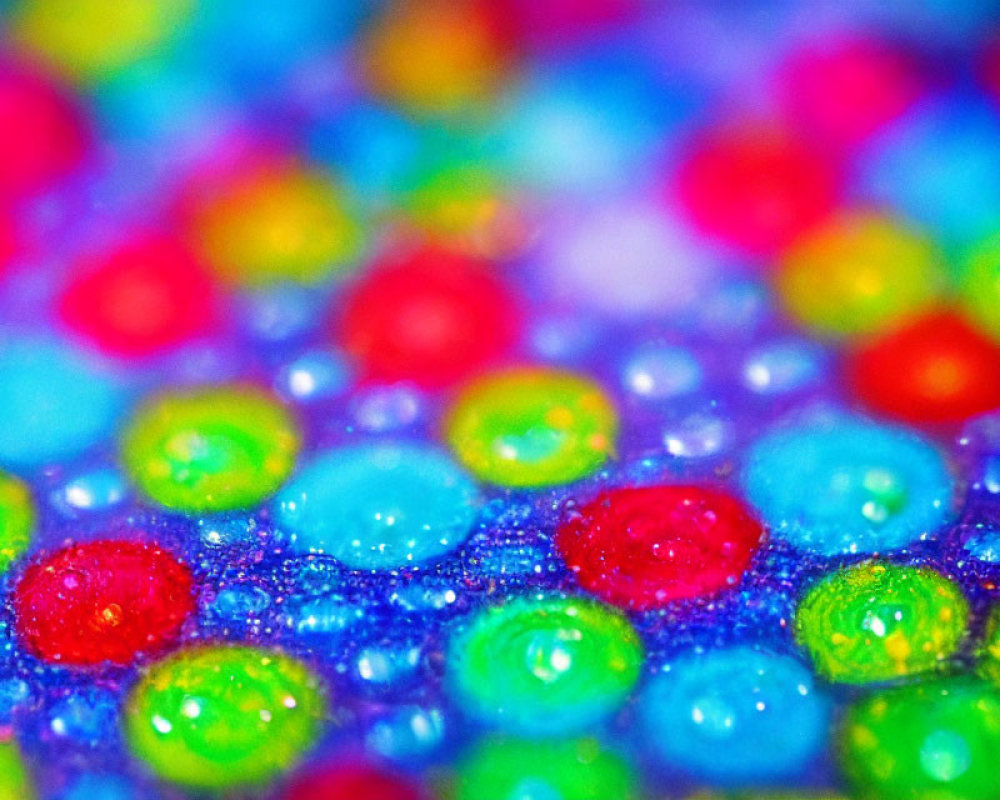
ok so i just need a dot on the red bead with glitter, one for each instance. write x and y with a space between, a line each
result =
140 298
351 782
431 318
102 601
641 548
936 370
42 133
755 187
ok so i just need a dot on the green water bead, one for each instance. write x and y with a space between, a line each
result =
545 665
531 426
878 621
15 783
17 519
979 284
218 716
211 449
935 740
989 651
522 769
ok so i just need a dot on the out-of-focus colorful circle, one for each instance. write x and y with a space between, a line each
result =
843 89
78 37
17 519
55 402
43 134
641 548
222 715
858 273
544 664
932 739
627 260
735 715
351 781
437 56
844 485
936 369
531 426
431 318
524 769
379 506
140 298
755 187
102 601
210 449
276 223
979 285
878 621
15 782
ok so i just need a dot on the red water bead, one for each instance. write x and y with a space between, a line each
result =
140 298
431 318
755 187
43 135
641 548
351 782
102 601
844 89
935 370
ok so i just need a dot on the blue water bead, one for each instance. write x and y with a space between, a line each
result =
387 666
14 694
660 372
99 786
386 408
87 716
379 506
984 544
240 603
314 376
940 166
408 733
96 490
54 402
783 366
844 485
735 715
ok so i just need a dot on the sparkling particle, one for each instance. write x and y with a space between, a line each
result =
735 715
218 715
141 298
858 273
544 665
847 486
932 739
210 449
431 318
55 403
934 370
644 547
661 372
531 426
100 601
877 621
17 519
520 769
278 223
379 506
